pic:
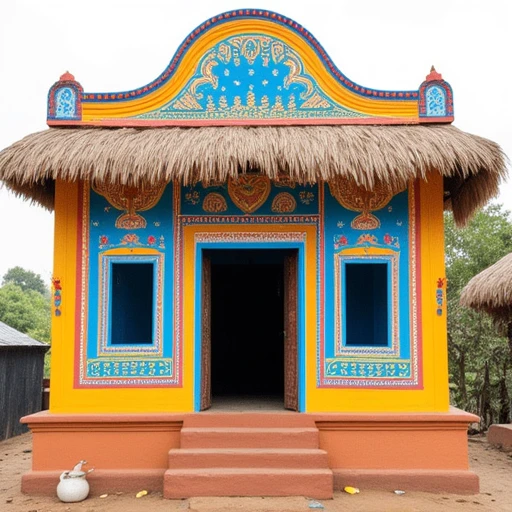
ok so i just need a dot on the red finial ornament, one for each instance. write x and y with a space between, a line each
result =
66 77
434 75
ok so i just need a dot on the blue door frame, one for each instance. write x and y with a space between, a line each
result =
301 363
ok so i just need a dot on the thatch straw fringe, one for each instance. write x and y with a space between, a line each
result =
472 166
491 291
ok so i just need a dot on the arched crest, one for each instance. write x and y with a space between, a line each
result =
246 67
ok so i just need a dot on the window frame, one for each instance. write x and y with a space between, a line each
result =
389 299
392 348
105 345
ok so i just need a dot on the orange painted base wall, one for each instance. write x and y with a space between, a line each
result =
411 451
127 451
427 452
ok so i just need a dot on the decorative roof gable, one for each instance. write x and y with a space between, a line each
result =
250 67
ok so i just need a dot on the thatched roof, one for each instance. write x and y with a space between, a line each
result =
473 167
491 291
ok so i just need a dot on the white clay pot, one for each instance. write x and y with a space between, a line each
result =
73 486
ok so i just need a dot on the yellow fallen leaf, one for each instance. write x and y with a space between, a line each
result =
103 495
351 490
141 493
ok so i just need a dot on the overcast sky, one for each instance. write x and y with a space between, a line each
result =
112 45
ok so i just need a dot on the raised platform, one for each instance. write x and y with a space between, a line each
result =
410 451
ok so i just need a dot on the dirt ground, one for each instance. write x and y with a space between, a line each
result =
493 466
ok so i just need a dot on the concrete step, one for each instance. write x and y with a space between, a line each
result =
274 419
299 458
234 437
185 483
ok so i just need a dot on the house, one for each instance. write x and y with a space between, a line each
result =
250 293
21 379
490 291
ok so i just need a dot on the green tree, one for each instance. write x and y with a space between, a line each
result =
26 311
26 280
479 357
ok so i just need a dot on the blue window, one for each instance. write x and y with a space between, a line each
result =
132 303
366 304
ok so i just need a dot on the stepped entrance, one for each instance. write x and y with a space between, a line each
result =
248 454
249 329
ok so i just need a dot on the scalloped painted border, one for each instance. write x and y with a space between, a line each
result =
265 15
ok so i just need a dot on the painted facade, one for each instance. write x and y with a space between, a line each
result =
189 219
367 365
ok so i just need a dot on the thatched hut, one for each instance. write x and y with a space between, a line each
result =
252 232
490 291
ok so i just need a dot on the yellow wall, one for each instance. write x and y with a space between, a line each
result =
434 396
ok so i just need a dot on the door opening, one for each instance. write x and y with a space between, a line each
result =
248 350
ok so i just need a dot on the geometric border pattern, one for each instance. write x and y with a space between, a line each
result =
386 371
265 240
115 370
361 351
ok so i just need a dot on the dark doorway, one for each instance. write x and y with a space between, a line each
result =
247 323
